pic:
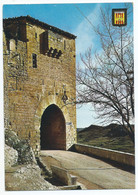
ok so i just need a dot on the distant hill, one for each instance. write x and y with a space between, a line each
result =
79 129
112 136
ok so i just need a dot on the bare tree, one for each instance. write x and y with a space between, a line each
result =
106 79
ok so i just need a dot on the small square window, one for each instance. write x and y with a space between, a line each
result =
34 59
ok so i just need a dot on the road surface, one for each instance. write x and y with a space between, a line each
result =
93 173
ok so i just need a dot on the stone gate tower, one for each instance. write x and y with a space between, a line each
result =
39 83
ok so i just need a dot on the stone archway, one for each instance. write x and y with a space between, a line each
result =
44 102
53 129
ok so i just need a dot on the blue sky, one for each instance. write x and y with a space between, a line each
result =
67 17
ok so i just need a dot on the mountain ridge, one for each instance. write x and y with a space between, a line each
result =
112 136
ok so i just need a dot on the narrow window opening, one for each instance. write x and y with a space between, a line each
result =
34 58
64 45
36 35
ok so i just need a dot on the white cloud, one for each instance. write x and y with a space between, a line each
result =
85 33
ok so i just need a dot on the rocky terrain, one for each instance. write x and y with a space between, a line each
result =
22 172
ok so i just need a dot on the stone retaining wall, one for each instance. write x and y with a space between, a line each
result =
117 156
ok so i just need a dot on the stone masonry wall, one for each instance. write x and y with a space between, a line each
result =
31 90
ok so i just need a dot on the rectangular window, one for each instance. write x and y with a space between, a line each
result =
64 45
36 35
34 59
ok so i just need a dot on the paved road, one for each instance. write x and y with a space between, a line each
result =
93 173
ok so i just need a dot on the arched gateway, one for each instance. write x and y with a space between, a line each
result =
53 129
53 124
39 83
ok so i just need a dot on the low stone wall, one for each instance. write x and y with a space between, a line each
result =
63 175
112 155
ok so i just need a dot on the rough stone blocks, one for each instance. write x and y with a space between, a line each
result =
39 71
